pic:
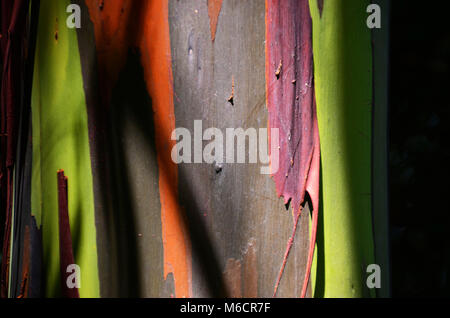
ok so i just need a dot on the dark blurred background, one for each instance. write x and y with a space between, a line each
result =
419 149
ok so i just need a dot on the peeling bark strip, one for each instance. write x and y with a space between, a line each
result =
65 239
13 22
214 7
291 106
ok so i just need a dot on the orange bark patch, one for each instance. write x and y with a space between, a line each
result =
156 59
112 36
214 7
250 272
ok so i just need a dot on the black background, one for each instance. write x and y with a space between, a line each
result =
419 152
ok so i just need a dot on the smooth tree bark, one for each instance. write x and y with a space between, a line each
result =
105 100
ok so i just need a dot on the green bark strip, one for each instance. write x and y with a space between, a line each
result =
60 141
343 78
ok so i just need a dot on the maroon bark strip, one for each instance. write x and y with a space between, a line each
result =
291 106
25 279
13 22
65 239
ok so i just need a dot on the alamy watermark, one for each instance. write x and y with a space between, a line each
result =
230 148
374 279
74 19
74 278
374 19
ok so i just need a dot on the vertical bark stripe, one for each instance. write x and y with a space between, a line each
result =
118 26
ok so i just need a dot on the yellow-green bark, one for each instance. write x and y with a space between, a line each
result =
343 78
60 141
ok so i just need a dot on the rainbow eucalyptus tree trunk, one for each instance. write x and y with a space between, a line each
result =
106 100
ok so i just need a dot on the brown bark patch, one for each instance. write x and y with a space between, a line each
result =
232 277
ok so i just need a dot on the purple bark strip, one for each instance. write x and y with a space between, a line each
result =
290 94
65 238
291 105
